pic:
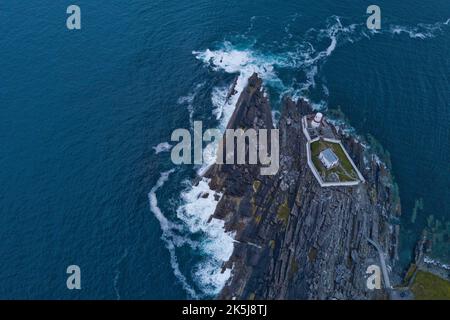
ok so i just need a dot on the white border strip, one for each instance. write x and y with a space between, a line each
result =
313 168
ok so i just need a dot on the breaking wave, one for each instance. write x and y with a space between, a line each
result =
170 238
188 100
305 57
199 205
198 201
196 230
243 62
162 147
436 263
421 31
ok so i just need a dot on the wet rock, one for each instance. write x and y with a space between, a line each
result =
311 241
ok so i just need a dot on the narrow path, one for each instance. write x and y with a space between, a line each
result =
249 243
387 282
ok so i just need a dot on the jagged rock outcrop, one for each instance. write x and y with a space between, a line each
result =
294 239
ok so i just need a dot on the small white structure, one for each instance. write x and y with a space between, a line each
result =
317 121
328 158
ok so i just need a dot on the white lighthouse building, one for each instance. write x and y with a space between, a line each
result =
317 121
329 158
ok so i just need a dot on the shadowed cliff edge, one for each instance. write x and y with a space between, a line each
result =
295 239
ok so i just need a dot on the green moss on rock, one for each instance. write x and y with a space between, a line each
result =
427 286
256 185
272 244
283 211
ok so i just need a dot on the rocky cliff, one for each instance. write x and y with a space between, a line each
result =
295 239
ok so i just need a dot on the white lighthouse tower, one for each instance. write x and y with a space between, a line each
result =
317 121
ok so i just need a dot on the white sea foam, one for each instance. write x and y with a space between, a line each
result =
309 59
326 91
162 147
199 201
421 31
199 204
334 31
168 235
188 100
246 61
435 262
319 106
412 32
215 245
218 99
118 273
210 276
243 63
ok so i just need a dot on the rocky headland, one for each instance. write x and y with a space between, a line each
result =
295 239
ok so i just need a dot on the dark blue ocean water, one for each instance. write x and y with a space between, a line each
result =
81 110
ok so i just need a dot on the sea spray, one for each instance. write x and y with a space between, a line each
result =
199 204
162 147
308 56
168 235
215 245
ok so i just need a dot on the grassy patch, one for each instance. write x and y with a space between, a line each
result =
272 244
344 169
283 211
256 185
254 207
427 286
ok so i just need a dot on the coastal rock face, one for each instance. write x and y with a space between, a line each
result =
295 239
